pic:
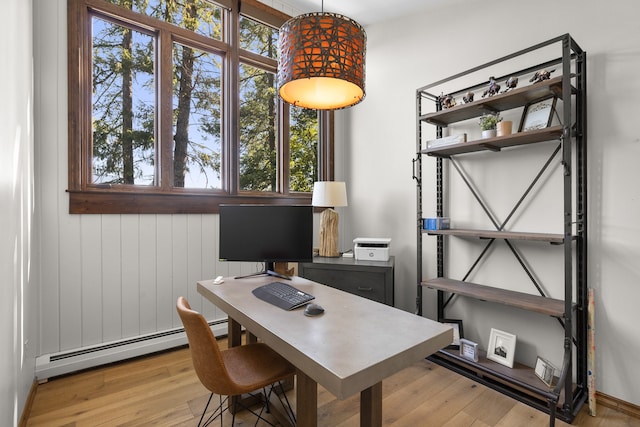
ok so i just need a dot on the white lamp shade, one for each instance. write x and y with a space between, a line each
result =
329 194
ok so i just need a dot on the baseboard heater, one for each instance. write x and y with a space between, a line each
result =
52 365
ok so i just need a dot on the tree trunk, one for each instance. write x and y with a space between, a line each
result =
181 138
127 109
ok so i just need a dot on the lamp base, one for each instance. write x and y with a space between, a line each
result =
329 234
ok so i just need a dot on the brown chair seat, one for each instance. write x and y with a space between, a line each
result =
254 366
233 371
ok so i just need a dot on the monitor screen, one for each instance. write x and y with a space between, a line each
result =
266 233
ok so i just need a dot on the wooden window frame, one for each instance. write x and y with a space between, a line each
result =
88 198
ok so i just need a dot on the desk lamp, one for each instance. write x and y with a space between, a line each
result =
329 194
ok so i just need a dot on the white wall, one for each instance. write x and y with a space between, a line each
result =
18 254
408 53
107 277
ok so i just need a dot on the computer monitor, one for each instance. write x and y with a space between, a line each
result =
266 233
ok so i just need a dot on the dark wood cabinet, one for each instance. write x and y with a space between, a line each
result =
368 279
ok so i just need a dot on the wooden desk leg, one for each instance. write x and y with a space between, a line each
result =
234 337
251 339
306 400
371 406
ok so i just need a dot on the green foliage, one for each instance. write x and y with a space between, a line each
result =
489 121
125 147
304 149
258 167
123 125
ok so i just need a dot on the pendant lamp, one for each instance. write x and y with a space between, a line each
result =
321 61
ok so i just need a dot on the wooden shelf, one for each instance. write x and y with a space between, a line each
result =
497 143
520 377
489 234
501 102
539 304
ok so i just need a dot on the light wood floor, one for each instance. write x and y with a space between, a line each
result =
163 390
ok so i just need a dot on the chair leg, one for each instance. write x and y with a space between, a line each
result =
205 410
287 408
265 408
291 414
222 410
216 413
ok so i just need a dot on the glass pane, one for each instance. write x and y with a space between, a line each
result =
258 38
201 16
123 105
303 163
258 129
196 118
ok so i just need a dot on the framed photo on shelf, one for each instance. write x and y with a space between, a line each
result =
537 115
502 347
546 371
469 349
457 331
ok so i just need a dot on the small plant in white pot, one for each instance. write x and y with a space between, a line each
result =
488 123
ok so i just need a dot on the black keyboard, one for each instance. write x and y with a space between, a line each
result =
282 295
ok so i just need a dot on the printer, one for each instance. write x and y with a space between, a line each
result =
371 248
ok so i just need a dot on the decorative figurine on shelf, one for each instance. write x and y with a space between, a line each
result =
511 83
493 88
468 97
541 76
447 101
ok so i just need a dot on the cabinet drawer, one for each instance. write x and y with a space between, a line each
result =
366 284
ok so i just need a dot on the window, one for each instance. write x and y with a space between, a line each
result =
173 109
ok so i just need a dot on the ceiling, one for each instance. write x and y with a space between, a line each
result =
365 12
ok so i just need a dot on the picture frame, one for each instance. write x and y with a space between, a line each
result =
468 349
545 371
456 324
502 347
537 115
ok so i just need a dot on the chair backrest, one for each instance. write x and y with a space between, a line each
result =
205 352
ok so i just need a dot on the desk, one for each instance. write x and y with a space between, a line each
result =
349 349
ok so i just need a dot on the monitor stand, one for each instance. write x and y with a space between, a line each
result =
269 270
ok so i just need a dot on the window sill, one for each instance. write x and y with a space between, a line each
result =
112 202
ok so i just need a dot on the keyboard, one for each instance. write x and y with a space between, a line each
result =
282 295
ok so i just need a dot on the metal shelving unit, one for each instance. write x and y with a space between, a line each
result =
569 87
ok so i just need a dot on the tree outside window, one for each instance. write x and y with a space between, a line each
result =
184 115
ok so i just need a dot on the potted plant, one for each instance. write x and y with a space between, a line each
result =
488 123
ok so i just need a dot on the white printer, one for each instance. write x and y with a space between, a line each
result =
371 248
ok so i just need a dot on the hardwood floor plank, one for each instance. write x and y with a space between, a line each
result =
119 400
606 417
525 416
442 405
163 390
462 419
414 394
489 406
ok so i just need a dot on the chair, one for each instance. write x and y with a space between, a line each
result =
234 371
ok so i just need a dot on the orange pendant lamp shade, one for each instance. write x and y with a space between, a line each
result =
321 61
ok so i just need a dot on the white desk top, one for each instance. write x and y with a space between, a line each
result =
355 344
